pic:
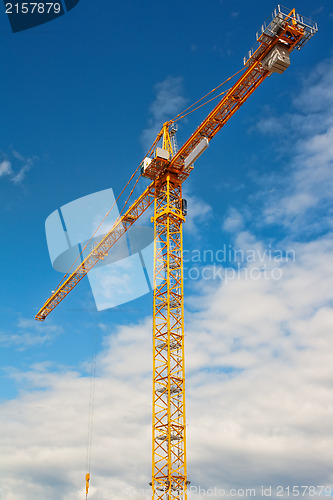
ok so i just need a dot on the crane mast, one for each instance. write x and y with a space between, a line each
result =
168 169
169 428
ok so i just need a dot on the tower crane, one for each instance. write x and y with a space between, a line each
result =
167 169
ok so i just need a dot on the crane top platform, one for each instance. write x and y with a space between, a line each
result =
274 25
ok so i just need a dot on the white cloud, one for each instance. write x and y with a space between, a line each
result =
199 213
20 175
29 333
44 449
270 125
17 170
311 106
18 155
168 102
259 404
233 222
257 361
317 93
5 168
306 188
309 185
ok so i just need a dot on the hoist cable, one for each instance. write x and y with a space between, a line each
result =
91 410
203 104
182 115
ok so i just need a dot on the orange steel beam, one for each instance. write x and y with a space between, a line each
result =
248 82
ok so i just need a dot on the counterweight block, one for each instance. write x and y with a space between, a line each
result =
277 60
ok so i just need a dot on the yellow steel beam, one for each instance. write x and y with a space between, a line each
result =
169 469
121 225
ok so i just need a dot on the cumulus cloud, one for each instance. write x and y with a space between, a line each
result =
259 402
44 447
305 191
309 185
256 356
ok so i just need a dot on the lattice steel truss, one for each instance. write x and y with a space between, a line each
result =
169 479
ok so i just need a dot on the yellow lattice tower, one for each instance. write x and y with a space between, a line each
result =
169 428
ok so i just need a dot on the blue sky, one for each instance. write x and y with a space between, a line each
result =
81 98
